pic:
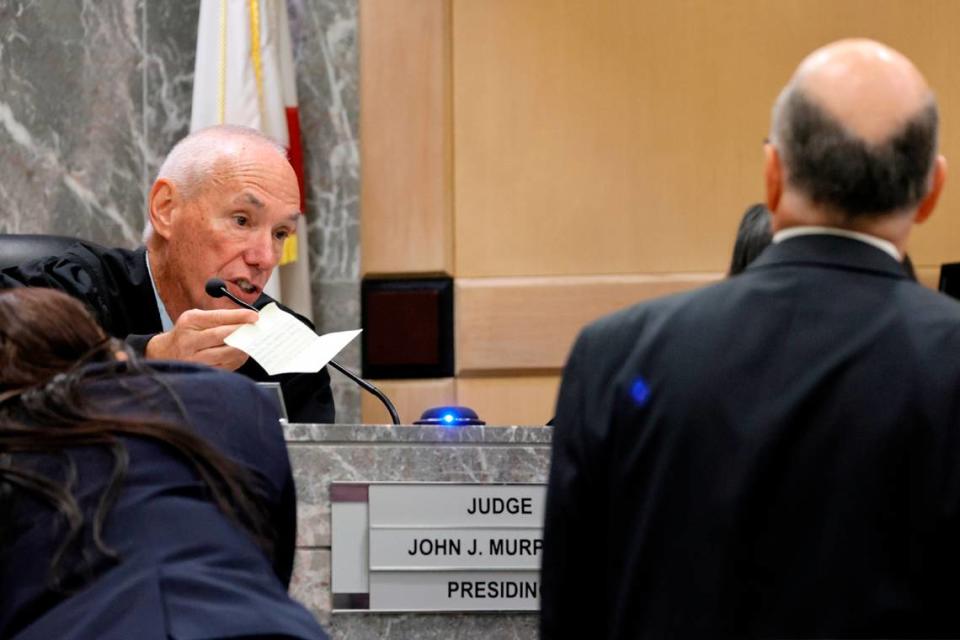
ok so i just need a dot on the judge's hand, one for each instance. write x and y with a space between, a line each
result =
197 336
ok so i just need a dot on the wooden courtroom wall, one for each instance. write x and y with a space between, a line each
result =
582 155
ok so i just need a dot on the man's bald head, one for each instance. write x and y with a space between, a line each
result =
206 157
203 157
856 128
867 87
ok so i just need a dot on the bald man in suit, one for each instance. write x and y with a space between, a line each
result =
778 455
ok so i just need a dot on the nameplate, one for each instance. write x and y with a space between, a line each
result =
402 549
456 505
455 591
437 546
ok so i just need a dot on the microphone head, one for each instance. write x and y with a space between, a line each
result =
215 288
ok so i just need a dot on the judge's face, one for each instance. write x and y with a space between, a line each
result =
233 229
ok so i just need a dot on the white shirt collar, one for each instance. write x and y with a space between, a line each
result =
884 245
165 322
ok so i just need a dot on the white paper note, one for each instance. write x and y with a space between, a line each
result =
280 343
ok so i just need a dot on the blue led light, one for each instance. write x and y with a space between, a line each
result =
640 392
448 416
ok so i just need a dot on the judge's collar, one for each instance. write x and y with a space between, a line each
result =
165 322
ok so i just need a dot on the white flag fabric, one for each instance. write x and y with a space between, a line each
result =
244 76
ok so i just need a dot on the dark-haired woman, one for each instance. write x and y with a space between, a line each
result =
753 236
136 503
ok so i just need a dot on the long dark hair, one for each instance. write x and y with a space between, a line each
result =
46 338
753 236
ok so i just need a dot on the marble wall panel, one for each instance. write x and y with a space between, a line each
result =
325 44
169 36
94 94
70 118
477 626
337 308
326 51
310 584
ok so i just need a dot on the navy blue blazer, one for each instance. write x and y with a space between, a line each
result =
185 571
777 455
115 285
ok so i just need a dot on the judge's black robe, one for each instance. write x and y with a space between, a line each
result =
115 285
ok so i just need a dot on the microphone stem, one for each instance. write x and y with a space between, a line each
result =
394 416
238 300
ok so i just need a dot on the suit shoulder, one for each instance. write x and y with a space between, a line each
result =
228 409
930 301
240 388
635 317
81 256
98 258
179 390
933 314
203 389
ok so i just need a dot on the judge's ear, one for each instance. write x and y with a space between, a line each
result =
929 201
772 176
162 205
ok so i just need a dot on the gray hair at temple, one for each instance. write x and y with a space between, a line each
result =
199 160
845 174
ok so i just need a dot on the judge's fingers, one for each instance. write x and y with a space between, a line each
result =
212 337
203 319
222 357
183 343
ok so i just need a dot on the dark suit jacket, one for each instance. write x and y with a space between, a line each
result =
116 286
186 571
775 455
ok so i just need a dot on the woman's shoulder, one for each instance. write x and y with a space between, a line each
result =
184 376
225 407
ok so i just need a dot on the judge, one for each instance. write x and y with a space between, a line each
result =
223 203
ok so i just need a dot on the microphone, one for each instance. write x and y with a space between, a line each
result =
217 288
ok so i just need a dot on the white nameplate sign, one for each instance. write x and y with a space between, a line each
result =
437 546
455 591
399 549
456 505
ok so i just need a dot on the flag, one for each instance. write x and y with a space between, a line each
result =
244 76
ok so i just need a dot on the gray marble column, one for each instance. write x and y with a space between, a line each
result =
93 94
71 119
326 50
